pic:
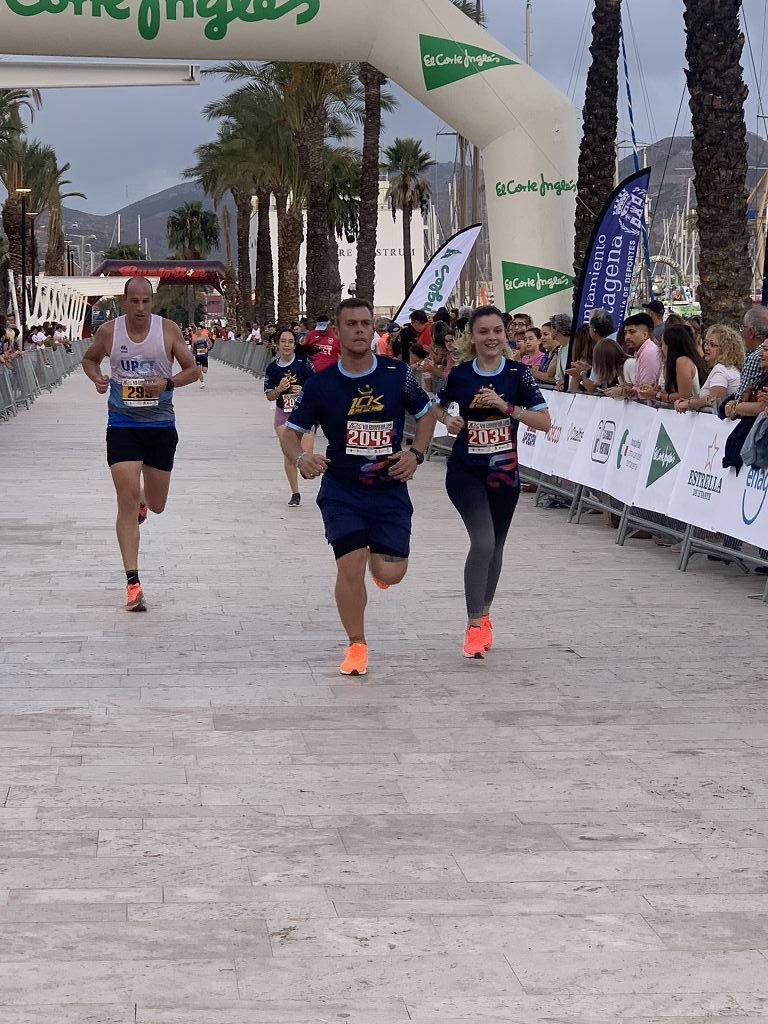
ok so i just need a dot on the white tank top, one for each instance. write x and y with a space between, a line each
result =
130 363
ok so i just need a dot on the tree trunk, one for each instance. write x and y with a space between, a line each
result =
12 229
5 291
56 251
293 236
281 208
334 276
191 304
714 44
243 209
597 155
265 274
407 257
231 297
372 81
309 144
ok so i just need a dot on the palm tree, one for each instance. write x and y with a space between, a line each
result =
319 101
230 164
25 164
717 93
472 8
597 155
53 200
11 103
406 163
343 170
192 233
372 81
254 114
124 251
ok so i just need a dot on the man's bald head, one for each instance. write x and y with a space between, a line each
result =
137 282
138 301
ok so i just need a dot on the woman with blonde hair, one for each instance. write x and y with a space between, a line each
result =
491 395
724 354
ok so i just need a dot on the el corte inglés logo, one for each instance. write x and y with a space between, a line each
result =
664 459
524 284
217 15
445 61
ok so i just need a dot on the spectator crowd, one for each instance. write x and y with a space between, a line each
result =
656 357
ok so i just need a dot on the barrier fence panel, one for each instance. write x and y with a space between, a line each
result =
243 355
36 370
660 471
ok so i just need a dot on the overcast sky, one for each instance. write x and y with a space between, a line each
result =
125 144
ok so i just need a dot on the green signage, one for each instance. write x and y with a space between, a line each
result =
216 14
524 284
444 61
540 186
664 459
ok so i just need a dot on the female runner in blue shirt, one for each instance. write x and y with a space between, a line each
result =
283 380
493 394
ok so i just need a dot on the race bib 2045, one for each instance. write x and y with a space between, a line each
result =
369 439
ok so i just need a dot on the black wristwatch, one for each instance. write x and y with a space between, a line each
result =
169 385
419 455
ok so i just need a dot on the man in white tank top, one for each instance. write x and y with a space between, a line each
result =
141 425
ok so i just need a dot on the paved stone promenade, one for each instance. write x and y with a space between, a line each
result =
202 823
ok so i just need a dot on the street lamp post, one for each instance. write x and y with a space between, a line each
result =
23 193
31 218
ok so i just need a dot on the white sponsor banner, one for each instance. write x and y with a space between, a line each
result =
663 458
744 512
437 279
575 433
599 445
699 495
547 445
622 471
527 442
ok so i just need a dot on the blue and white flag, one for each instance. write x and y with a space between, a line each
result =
609 262
438 278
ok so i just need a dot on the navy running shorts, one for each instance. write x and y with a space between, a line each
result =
154 446
202 361
357 517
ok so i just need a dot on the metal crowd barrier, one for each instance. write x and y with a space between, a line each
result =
634 520
36 371
243 355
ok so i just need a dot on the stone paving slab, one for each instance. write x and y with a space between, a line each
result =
201 822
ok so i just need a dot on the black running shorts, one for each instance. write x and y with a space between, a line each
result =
154 446
202 361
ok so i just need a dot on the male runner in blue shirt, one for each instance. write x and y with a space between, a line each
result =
361 404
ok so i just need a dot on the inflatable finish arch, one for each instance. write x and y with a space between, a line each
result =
525 128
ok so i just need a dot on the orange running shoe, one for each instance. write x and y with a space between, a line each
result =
355 660
487 628
135 601
474 642
142 513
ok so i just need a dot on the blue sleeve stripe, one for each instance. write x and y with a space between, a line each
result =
299 430
538 408
424 411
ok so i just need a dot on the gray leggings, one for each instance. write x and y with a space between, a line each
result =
487 514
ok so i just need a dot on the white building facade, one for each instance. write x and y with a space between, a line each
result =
389 255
